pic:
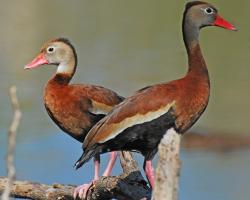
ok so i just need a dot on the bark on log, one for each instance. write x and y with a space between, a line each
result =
129 185
168 168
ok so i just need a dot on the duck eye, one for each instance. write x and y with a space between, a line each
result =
50 49
209 10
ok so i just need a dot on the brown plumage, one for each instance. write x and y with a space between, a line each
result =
72 106
75 108
141 120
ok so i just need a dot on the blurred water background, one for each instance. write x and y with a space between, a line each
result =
125 45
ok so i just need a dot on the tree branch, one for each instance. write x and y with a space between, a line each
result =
11 143
129 185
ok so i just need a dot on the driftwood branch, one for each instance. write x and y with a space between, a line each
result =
129 185
32 190
168 168
11 143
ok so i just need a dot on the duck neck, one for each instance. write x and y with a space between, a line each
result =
196 62
65 71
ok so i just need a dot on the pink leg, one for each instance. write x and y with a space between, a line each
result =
81 190
111 163
97 167
149 171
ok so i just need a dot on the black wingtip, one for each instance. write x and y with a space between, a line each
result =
76 166
85 157
79 163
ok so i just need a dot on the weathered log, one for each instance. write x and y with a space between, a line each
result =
129 185
168 168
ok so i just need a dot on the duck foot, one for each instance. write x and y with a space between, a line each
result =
82 190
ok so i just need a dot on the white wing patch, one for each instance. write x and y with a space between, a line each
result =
100 108
135 120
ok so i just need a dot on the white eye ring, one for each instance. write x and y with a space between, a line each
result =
50 49
209 10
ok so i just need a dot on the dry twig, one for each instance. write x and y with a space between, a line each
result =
12 142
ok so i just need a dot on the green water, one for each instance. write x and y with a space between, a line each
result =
122 45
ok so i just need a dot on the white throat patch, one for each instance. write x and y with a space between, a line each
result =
64 69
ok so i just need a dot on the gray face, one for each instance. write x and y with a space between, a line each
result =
57 52
202 15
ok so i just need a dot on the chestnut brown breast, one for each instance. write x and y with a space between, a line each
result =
192 96
72 107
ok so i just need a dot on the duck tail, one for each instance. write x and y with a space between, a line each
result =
86 156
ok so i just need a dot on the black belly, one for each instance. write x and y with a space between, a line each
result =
143 138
